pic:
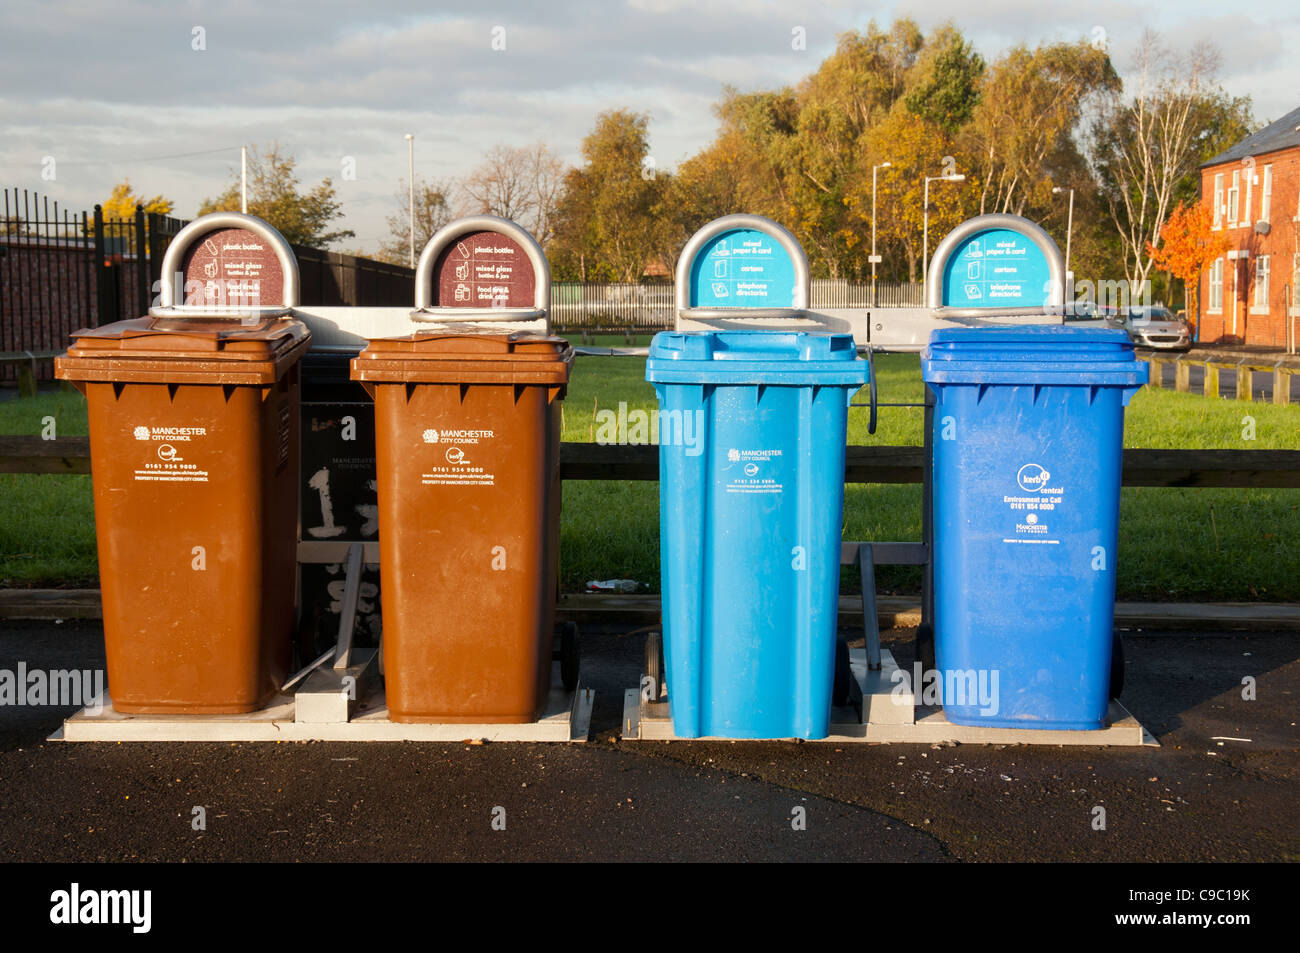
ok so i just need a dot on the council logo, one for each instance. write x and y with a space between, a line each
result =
1032 478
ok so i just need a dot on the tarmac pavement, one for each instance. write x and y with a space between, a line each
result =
1193 798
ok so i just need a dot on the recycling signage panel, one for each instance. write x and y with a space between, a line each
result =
484 270
232 267
743 268
997 268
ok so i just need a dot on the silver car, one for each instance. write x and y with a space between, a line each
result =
1156 327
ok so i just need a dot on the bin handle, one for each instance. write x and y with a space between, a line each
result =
871 384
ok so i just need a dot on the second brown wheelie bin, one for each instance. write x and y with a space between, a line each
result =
467 441
194 460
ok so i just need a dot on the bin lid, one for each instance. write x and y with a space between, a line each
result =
185 350
443 357
810 358
1037 354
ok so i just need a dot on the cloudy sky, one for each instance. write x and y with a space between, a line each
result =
118 89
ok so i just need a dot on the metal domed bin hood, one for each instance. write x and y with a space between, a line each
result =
483 268
225 265
996 265
776 277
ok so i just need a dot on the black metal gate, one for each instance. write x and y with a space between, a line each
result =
121 267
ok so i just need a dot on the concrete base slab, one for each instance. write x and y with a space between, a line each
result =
880 716
886 694
567 718
329 695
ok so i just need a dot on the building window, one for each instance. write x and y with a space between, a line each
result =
1261 285
1216 286
1233 193
1249 176
1218 200
1266 195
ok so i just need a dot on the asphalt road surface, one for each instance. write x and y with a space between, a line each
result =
1193 798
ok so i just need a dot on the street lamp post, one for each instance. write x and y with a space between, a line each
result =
874 257
410 184
925 228
1069 223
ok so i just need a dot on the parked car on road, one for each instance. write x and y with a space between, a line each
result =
1156 327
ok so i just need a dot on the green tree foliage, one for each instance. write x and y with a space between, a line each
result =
303 218
1017 127
948 85
607 228
1021 133
916 149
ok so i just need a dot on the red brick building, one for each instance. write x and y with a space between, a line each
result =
1253 191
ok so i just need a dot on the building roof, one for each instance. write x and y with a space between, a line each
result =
1282 134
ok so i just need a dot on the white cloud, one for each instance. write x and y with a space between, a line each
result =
97 84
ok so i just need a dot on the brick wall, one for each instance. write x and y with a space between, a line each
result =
1265 325
48 292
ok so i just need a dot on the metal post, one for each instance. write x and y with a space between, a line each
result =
1069 230
874 257
243 179
1069 223
410 184
141 262
925 255
106 299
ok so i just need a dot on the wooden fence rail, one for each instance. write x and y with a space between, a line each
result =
590 461
1245 370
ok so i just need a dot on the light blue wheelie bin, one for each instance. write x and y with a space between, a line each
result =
1028 438
751 466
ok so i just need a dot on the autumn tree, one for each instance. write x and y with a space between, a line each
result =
433 209
916 149
1021 133
1188 245
851 92
1145 145
607 226
121 204
303 218
801 155
522 184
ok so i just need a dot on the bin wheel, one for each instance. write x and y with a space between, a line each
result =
1116 666
843 675
569 655
925 649
654 665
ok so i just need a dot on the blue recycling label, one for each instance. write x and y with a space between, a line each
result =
743 268
998 268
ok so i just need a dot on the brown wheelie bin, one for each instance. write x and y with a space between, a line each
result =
467 453
194 460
